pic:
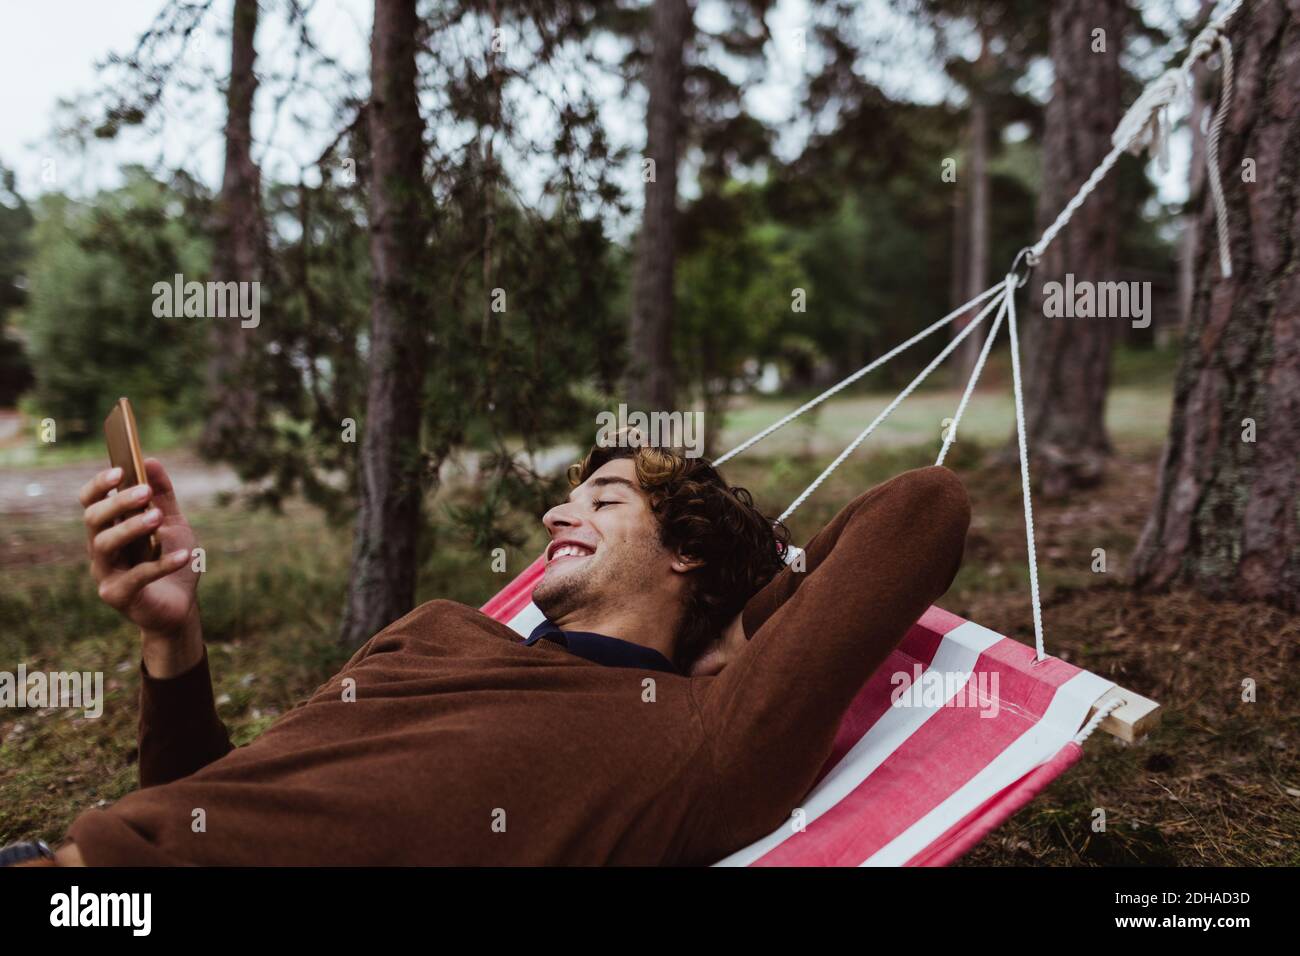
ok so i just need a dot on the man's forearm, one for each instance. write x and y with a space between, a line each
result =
180 730
817 635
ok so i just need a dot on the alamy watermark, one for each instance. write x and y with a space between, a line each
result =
77 689
129 910
675 430
1098 300
209 300
933 689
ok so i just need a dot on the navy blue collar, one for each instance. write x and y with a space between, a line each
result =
609 651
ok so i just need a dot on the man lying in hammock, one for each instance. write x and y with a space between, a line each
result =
676 705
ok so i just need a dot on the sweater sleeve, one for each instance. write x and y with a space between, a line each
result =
180 731
815 636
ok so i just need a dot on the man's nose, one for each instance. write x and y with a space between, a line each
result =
561 516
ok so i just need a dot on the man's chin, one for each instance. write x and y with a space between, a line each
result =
556 590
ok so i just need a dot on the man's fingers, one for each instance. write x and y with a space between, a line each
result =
164 493
107 510
120 590
113 538
99 486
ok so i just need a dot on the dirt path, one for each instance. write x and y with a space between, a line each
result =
52 491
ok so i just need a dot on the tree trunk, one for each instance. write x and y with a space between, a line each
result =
957 275
237 257
1226 518
382 586
649 379
977 233
1067 359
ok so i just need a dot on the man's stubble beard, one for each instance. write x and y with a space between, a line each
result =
595 586
558 595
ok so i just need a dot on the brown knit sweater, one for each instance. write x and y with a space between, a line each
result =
444 740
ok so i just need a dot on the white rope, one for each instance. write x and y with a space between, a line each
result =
1145 126
844 383
1024 475
1212 160
1095 720
974 376
938 359
1037 249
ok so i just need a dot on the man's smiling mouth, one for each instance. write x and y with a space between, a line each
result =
562 550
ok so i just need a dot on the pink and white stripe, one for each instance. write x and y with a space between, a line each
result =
916 786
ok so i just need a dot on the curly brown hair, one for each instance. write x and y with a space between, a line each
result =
705 519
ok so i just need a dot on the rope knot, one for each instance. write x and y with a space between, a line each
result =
1146 125
1204 44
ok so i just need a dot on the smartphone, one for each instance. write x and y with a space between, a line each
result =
124 452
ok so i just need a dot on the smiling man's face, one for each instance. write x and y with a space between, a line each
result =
605 544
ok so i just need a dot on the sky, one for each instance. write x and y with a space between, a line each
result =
48 52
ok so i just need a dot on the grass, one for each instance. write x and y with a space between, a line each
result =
1218 783
1137 408
1133 412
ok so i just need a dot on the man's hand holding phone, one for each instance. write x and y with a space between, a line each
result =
159 596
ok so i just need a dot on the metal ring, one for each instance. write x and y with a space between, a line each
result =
1031 260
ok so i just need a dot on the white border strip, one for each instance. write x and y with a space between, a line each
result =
527 619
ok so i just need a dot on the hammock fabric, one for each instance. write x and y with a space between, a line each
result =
917 785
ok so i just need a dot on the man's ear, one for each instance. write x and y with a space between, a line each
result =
684 562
